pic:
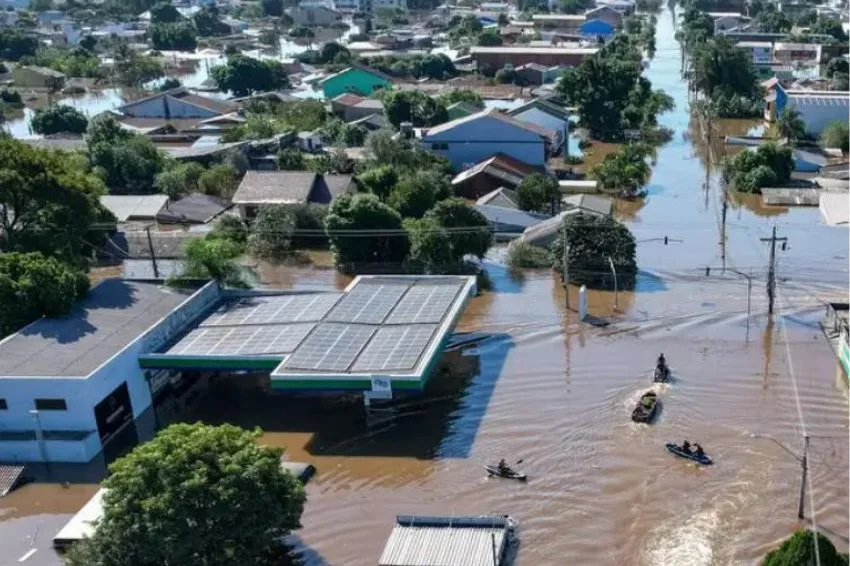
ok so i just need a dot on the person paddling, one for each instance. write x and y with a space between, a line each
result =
503 467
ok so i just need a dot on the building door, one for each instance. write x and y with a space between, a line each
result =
113 413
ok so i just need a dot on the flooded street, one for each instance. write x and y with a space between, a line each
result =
557 394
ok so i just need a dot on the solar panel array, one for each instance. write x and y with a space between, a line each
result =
425 302
369 303
331 347
274 309
242 340
395 348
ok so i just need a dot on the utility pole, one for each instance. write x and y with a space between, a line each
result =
771 269
566 272
804 462
614 272
153 254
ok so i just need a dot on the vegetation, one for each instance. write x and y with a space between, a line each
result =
59 119
826 25
273 8
383 149
593 240
623 172
799 550
271 234
331 52
343 135
301 32
15 43
461 95
522 255
135 69
219 180
291 159
243 75
379 180
178 36
179 180
417 192
164 13
771 20
697 28
768 166
469 232
437 67
725 74
412 106
32 286
574 6
213 257
231 227
128 163
489 37
790 125
77 62
837 135
268 119
169 84
309 225
208 23
172 501
538 193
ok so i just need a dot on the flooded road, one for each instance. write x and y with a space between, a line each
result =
557 394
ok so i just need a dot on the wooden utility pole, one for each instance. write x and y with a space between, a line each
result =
566 272
153 253
804 463
771 269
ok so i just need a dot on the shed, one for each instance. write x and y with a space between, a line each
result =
195 208
134 207
447 541
596 28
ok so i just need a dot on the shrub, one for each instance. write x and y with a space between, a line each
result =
522 255
271 234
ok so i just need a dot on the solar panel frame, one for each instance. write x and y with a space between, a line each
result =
369 303
331 347
425 303
397 348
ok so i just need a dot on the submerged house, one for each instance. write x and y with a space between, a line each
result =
817 109
357 79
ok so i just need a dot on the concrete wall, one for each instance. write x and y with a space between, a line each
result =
57 450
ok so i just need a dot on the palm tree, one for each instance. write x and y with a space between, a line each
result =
790 125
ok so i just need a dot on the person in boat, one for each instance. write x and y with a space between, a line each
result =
503 467
686 447
662 361
698 450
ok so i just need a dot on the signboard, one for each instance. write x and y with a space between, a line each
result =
382 387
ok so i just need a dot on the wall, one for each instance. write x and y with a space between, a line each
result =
56 450
484 137
817 115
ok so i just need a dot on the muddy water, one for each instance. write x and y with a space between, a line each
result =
556 393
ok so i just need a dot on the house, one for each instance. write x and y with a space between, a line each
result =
545 114
491 59
509 223
350 107
178 107
357 79
817 109
268 188
195 208
562 22
805 53
490 174
310 141
606 14
461 109
594 29
310 16
372 122
544 233
724 21
467 141
625 7
761 52
234 25
127 208
808 161
31 76
589 204
536 74
48 17
502 197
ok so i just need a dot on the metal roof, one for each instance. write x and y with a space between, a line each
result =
134 207
786 196
446 541
9 476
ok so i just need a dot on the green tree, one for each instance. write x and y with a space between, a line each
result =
301 32
522 255
164 13
837 135
32 286
461 95
574 6
169 84
837 65
207 22
272 8
770 20
826 25
40 5
135 69
14 43
219 180
243 75
790 125
489 37
769 165
538 193
430 243
214 258
624 171
172 501
271 234
468 229
722 68
59 119
417 192
50 203
291 159
697 28
88 42
231 227
179 180
362 230
128 163
412 106
593 240
799 550
379 181
179 36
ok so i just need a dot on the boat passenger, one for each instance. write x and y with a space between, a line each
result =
686 447
698 450
503 467
662 361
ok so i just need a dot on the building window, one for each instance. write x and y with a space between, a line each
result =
51 405
439 146
3 405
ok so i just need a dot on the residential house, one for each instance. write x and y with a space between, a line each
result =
138 208
372 122
589 204
496 7
625 7
761 52
808 161
310 141
178 108
509 223
493 173
536 74
259 189
31 76
350 107
545 114
234 25
461 109
491 59
48 17
562 22
798 53
724 21
467 141
593 29
195 208
606 14
310 16
817 109
357 79
545 232
503 197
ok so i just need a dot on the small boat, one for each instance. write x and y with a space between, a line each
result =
662 374
682 453
510 475
646 408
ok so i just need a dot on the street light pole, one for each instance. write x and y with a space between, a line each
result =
39 434
804 466
614 272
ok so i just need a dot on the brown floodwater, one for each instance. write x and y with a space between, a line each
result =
557 393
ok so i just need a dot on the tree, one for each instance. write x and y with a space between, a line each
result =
230 227
468 229
179 180
769 165
48 203
770 20
430 243
722 68
416 193
837 135
32 286
135 69
363 230
624 171
164 13
207 22
14 43
213 257
461 95
790 125
172 501
271 235
837 65
219 180
128 163
379 181
799 550
243 75
272 8
826 25
489 37
301 32
291 159
40 5
538 193
169 84
503 20
59 119
593 240
574 6
88 42
179 36
412 106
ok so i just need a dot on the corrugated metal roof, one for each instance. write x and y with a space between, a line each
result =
138 207
787 196
9 476
446 541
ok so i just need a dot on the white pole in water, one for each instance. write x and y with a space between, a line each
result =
39 435
582 302
614 271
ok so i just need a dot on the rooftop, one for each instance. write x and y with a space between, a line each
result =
289 187
491 113
113 315
44 71
195 208
134 207
534 50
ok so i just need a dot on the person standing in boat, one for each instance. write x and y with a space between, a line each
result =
662 361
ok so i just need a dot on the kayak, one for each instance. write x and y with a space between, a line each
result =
677 451
512 475
646 408
662 374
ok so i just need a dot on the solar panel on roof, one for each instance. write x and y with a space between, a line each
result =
331 347
369 303
242 340
424 302
274 309
395 348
